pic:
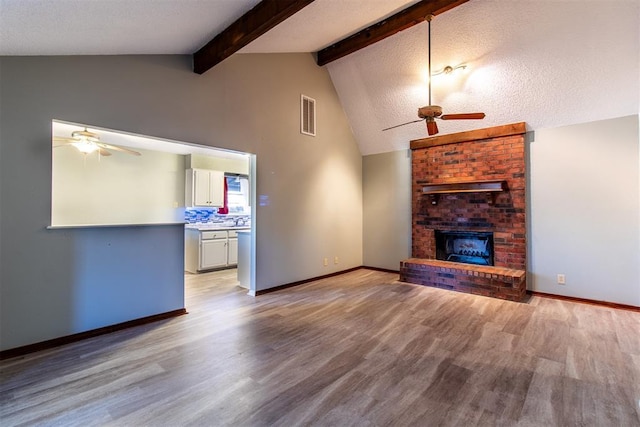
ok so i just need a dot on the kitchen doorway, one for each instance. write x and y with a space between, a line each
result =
93 188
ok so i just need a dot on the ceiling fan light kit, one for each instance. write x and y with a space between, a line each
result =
449 69
86 147
430 112
85 141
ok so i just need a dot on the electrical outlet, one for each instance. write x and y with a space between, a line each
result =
561 279
335 260
325 262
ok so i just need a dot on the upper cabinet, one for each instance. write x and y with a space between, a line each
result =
204 188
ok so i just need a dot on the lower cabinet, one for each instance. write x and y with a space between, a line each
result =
209 249
213 254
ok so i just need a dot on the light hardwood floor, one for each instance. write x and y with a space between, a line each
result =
357 349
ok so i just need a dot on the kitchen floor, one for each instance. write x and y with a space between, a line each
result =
210 283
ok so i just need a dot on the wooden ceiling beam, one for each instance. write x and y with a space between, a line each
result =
263 17
387 27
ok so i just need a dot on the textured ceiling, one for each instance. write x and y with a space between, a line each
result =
107 27
546 62
323 23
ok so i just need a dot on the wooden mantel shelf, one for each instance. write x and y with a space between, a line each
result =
469 136
489 188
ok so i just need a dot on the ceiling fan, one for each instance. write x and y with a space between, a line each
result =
431 112
87 142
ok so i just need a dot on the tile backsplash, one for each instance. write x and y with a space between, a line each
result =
203 216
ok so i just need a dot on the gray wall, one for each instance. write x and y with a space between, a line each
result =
583 210
386 188
309 188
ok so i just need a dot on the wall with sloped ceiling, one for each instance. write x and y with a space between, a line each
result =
570 71
59 282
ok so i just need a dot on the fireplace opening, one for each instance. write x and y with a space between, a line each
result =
470 247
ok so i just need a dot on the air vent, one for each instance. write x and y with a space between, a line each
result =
307 115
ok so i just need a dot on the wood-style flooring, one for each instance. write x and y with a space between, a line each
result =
357 349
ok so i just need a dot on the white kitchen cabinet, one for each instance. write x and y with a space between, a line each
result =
209 249
213 254
204 188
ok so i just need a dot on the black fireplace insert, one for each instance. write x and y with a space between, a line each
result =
470 247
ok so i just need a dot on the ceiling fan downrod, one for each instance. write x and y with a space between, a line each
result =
431 112
429 18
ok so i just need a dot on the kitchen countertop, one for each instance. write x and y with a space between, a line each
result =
207 227
149 224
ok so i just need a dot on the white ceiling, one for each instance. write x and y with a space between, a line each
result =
323 23
108 27
546 62
64 129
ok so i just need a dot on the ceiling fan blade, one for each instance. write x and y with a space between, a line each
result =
408 123
432 127
104 153
63 139
116 148
464 116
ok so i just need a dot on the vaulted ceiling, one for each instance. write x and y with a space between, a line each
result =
111 27
549 63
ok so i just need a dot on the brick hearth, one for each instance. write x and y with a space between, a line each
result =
483 155
489 281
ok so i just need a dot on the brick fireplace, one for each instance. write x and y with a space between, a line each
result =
470 183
